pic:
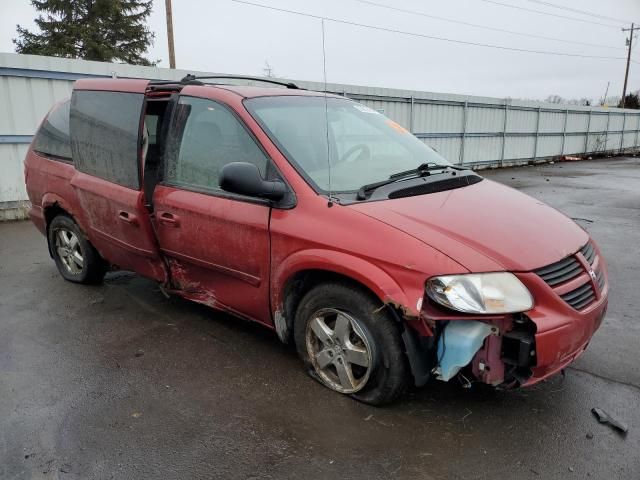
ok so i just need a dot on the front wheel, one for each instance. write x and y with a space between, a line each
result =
351 343
77 260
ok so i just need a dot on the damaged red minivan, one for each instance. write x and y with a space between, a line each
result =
321 219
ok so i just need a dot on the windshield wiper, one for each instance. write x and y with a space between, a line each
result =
422 170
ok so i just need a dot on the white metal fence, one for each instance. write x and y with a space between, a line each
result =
464 129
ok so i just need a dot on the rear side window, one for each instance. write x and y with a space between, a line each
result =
105 130
52 139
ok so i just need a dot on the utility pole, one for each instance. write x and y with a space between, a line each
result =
172 52
626 73
268 70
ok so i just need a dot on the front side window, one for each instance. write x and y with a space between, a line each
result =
363 145
53 138
203 137
105 128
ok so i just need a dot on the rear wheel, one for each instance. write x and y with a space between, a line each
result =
77 260
351 343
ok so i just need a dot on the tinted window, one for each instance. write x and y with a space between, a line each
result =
104 141
53 137
204 136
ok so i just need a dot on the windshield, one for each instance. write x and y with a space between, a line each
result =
364 146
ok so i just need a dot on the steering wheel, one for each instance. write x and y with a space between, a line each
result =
365 153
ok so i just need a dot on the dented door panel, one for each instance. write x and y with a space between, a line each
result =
118 225
217 249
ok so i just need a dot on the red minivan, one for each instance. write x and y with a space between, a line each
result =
321 219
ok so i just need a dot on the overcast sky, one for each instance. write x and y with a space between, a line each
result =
223 36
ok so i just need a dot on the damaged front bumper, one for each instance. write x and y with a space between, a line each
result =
512 350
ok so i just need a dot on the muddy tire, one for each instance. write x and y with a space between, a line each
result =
77 260
351 344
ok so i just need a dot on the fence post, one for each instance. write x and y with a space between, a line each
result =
624 124
464 131
564 131
504 131
637 131
606 133
586 137
411 115
535 145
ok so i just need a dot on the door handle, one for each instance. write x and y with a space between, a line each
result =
128 217
168 219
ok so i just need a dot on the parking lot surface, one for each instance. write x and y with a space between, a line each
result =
117 381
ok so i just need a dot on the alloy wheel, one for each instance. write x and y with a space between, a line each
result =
339 350
69 251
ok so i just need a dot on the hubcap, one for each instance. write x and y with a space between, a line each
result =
68 249
339 350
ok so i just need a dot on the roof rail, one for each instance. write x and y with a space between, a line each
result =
191 79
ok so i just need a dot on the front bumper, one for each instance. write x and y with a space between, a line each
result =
563 333
527 348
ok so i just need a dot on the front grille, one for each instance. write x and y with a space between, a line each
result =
560 272
580 297
570 268
589 253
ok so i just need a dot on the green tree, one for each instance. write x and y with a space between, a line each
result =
102 30
632 100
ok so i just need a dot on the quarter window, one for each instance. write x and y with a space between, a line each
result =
105 130
204 137
52 138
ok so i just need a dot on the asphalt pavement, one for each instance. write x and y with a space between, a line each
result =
117 381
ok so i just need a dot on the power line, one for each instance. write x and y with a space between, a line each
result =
420 35
486 27
575 19
576 10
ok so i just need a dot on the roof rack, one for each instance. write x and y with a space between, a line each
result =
196 80
191 79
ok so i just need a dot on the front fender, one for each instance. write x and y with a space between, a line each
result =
373 277
356 268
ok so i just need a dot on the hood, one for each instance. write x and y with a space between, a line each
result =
484 227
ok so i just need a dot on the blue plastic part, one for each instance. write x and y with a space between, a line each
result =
458 343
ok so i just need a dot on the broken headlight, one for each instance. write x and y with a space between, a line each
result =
487 293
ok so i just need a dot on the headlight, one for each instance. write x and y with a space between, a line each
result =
499 292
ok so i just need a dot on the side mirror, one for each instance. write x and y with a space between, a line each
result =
244 178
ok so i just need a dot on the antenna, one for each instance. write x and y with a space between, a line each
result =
326 112
606 92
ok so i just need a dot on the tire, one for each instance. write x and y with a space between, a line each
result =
372 351
77 260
